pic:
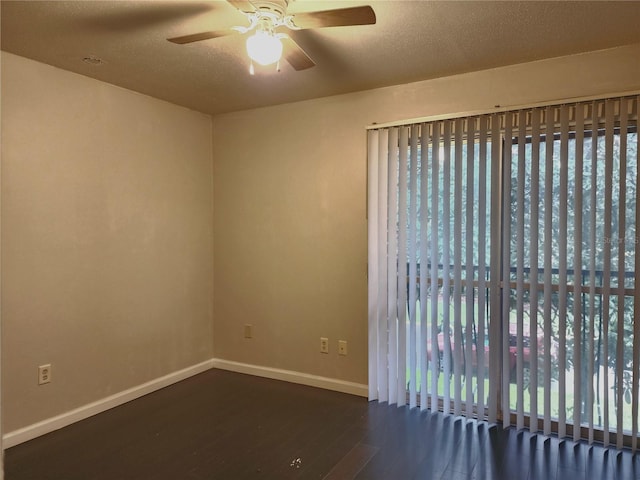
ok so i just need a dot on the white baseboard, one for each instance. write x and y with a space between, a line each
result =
49 425
336 385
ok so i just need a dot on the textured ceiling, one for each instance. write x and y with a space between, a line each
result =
412 40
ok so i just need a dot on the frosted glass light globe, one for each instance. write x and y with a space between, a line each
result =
264 48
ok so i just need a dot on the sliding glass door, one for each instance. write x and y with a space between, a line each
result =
502 268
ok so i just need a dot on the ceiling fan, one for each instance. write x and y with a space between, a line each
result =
266 17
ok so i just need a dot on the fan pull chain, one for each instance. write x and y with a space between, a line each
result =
251 69
278 66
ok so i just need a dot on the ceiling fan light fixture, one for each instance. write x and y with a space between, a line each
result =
264 47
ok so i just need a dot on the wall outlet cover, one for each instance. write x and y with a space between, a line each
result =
44 374
324 345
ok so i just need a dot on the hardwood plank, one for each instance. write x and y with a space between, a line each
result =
352 463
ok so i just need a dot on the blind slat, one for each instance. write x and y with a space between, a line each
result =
413 267
520 234
533 259
562 274
392 269
506 275
401 315
622 221
469 248
636 306
577 293
383 329
373 271
424 273
482 274
458 348
606 278
494 279
434 245
593 204
548 243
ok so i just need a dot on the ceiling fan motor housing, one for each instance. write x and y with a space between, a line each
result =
274 8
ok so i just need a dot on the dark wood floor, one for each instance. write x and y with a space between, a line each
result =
222 425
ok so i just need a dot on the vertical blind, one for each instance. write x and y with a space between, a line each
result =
502 260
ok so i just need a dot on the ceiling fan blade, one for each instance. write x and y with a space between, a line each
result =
197 37
341 17
295 55
243 5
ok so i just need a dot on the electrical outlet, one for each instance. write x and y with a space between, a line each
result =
342 347
248 331
324 345
44 374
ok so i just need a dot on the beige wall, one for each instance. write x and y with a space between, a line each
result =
106 239
290 204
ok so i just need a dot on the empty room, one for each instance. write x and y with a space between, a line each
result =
328 239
